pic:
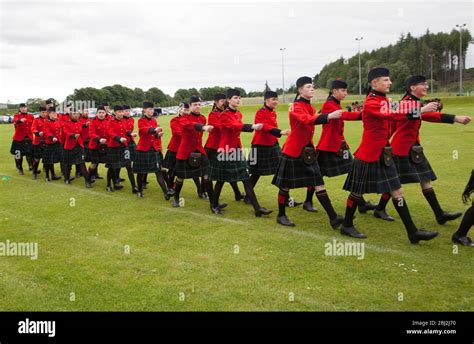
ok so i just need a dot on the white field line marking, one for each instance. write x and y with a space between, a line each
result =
217 218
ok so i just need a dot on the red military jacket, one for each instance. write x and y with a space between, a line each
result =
333 132
303 118
268 118
63 118
70 129
214 136
98 129
37 127
130 124
52 130
407 133
148 138
22 129
231 125
376 117
176 133
116 130
85 128
191 139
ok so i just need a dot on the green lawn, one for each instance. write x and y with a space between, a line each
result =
186 259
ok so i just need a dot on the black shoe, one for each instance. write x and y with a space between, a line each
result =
365 207
167 196
421 234
246 200
140 194
447 216
222 205
294 204
308 206
55 177
203 195
20 172
465 240
135 190
352 232
262 211
175 203
67 181
216 210
92 181
118 187
382 214
239 197
283 220
110 189
46 179
35 176
337 222
88 185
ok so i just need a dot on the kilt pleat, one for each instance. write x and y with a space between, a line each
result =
73 156
169 161
371 177
37 151
293 173
332 165
98 156
184 171
24 147
147 162
229 170
409 172
212 157
118 157
52 153
264 160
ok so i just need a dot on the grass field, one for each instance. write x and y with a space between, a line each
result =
188 259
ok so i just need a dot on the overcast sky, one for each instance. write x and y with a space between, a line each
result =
48 48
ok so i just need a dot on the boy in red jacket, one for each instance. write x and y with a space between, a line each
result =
21 144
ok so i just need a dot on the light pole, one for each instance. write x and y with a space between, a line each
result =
460 56
358 39
431 72
283 72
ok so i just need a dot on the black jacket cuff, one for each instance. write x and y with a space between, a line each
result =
151 130
247 128
72 136
275 132
447 118
322 119
96 140
117 139
198 126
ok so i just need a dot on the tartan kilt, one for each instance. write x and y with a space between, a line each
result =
98 156
263 160
229 170
184 171
116 157
132 147
212 157
147 162
293 173
169 161
52 153
409 172
37 151
371 177
24 147
73 156
86 151
332 165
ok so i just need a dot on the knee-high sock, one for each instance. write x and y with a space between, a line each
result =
384 198
178 185
110 176
430 196
351 206
68 169
309 194
236 189
161 182
197 182
131 177
207 185
82 169
36 163
402 209
283 196
46 169
254 179
19 162
217 193
249 192
170 179
323 198
140 177
466 223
